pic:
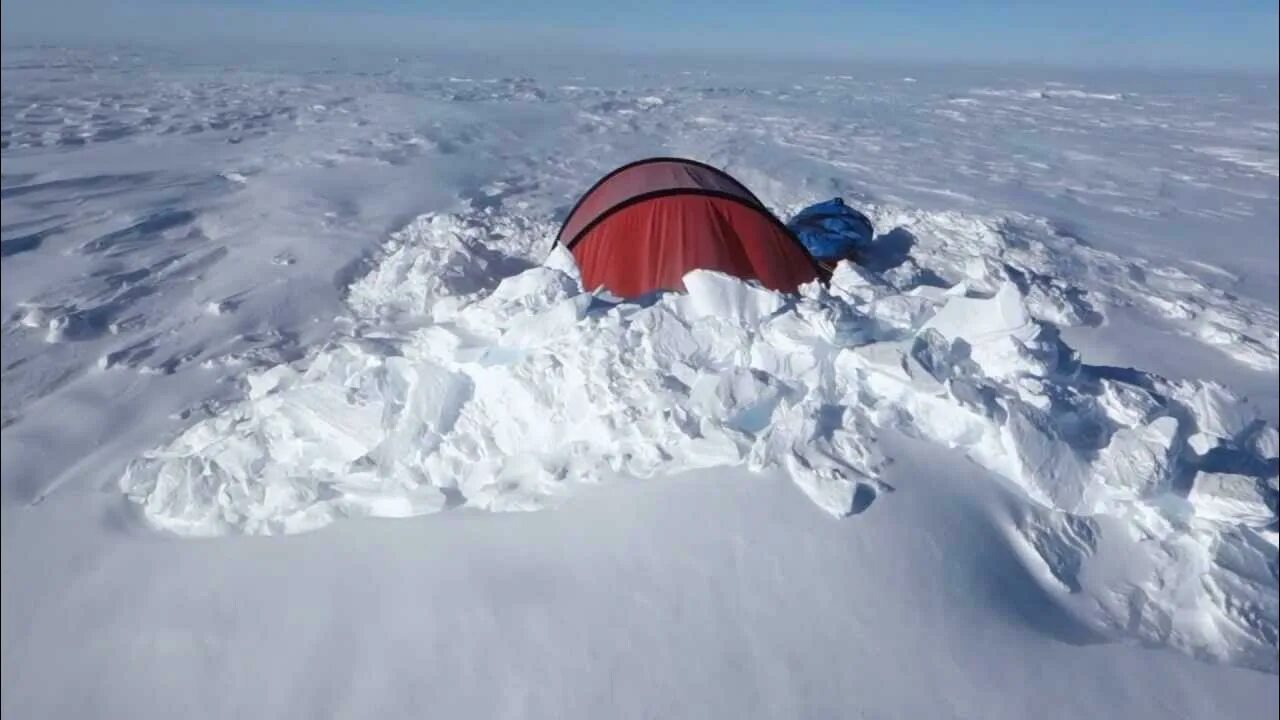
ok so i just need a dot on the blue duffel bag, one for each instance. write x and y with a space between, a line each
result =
832 231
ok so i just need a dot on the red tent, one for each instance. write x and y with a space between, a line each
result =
646 224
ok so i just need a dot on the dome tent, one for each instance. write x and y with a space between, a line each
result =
640 228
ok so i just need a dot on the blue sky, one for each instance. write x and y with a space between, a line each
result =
1174 33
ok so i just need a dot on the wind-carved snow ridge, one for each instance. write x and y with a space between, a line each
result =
479 377
1064 281
1154 502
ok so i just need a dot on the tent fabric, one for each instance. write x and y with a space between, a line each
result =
644 177
641 228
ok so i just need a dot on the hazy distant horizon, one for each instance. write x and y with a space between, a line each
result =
1232 36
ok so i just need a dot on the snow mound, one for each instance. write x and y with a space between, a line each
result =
476 377
441 262
519 396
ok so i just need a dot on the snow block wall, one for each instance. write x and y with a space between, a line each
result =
474 375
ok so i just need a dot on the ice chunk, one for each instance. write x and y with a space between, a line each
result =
827 450
1135 464
983 320
857 285
1265 443
1218 413
1125 404
745 399
561 259
998 329
1234 498
1040 461
264 383
1201 443
902 312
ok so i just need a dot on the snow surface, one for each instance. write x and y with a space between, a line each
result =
295 298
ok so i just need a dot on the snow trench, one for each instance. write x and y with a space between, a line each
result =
476 375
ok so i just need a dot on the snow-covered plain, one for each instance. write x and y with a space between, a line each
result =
1022 460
